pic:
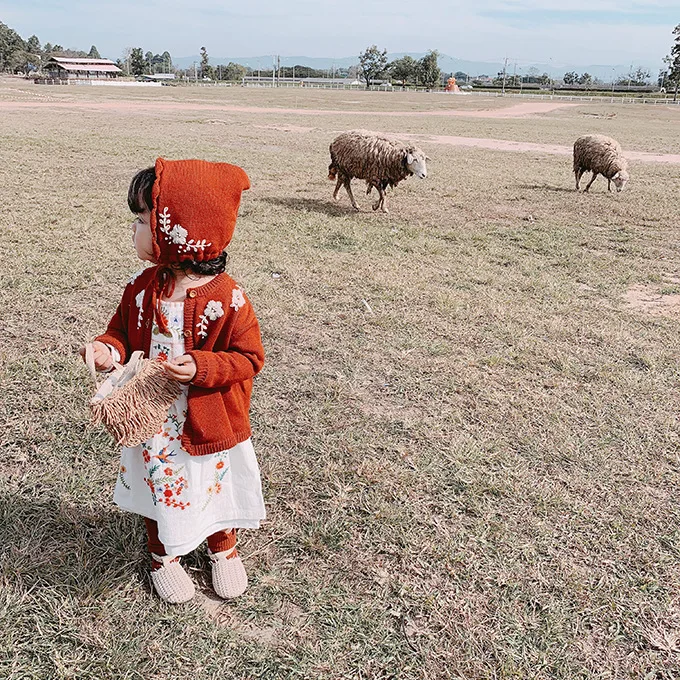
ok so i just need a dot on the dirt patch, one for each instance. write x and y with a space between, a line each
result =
555 149
284 128
521 110
652 300
515 111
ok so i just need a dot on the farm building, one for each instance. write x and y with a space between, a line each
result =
67 69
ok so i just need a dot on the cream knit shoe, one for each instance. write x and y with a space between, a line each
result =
228 575
171 582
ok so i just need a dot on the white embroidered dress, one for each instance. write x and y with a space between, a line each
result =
190 497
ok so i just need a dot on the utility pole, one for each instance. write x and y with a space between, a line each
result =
514 76
195 73
505 66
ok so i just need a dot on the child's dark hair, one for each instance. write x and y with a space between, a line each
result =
140 190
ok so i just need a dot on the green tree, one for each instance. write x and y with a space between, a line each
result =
233 72
12 49
94 53
206 69
461 76
585 79
167 62
33 54
636 77
428 69
137 61
372 64
672 62
570 77
403 69
33 45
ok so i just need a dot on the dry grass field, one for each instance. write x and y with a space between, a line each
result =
467 424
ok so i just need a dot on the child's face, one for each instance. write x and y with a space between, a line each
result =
141 236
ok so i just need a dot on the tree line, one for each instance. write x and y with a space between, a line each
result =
17 54
373 65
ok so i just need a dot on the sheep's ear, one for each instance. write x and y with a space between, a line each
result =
409 158
427 158
616 175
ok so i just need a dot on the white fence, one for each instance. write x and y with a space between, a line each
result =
603 97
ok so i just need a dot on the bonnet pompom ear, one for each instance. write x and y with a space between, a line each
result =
243 178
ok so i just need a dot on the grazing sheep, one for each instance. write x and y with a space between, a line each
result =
378 160
602 156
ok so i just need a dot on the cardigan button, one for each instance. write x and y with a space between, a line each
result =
187 334
192 293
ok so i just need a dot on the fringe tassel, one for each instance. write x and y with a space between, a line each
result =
136 411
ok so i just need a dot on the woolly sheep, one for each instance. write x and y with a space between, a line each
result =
602 156
378 160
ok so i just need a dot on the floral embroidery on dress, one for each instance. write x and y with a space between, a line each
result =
139 300
221 469
164 480
178 234
121 475
213 310
238 300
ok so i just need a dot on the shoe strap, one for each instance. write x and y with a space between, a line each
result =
220 555
164 560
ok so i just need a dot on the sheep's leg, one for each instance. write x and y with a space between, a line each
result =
579 173
591 181
369 188
609 184
337 188
380 203
348 188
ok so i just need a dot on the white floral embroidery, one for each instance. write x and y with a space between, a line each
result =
213 310
139 299
178 234
237 298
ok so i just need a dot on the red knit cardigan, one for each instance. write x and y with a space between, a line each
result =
227 350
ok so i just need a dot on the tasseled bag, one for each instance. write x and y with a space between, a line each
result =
133 401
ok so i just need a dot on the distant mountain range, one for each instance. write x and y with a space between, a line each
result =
446 63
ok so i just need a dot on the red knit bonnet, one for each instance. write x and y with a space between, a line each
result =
195 204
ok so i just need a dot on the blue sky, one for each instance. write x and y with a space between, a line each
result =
574 32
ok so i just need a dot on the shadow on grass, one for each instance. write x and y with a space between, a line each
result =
89 552
311 205
547 187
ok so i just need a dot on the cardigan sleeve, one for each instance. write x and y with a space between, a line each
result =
240 361
116 332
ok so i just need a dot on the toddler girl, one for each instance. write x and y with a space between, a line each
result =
197 478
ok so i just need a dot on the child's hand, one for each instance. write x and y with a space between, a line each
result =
182 369
103 361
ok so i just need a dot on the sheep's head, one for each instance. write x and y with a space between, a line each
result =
416 162
620 179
